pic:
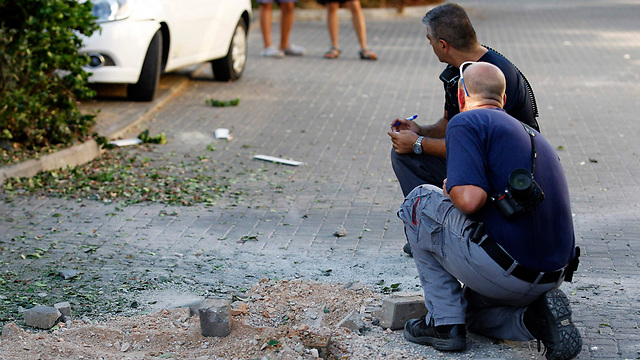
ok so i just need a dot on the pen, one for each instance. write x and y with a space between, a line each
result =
410 118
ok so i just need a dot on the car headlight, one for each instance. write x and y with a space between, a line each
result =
111 10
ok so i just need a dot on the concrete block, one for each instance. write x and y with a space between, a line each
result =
65 311
41 317
215 318
398 308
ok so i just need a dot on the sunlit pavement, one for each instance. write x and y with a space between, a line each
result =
583 60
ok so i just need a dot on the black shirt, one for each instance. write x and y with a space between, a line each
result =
520 103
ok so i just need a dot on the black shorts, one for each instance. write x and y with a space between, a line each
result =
324 2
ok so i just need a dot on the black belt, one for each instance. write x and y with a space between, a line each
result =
505 261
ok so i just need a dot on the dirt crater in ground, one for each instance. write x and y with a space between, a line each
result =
277 320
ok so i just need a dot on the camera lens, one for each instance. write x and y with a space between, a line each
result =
520 180
521 185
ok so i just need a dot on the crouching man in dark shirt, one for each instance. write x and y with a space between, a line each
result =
501 225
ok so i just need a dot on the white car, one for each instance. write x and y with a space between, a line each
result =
139 39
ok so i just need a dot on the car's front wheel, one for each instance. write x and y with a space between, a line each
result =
231 66
145 88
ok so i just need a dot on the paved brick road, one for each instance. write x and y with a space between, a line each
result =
583 59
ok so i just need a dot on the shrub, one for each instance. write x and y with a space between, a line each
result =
41 76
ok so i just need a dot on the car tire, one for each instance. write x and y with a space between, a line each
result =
145 88
231 66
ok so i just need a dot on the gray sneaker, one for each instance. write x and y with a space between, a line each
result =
295 50
272 51
548 319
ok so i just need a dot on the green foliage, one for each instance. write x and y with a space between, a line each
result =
158 139
222 103
41 76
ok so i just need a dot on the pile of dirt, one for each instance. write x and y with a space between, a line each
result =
277 320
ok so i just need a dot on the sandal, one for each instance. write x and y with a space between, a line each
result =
333 53
366 54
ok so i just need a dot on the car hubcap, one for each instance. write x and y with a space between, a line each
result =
239 50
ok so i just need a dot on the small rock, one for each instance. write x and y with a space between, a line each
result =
354 286
353 322
65 311
68 273
125 347
8 330
341 232
41 317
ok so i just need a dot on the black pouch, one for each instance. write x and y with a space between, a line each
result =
572 266
449 77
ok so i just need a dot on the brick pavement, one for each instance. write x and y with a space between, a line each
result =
580 56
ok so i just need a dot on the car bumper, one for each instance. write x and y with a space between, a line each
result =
119 55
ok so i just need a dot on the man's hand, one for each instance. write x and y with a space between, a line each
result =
403 141
403 124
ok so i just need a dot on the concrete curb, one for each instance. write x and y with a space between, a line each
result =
85 152
72 156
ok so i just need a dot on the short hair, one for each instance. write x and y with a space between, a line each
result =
450 23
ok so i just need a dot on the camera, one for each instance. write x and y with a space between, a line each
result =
521 194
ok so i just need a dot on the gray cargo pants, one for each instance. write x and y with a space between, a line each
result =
492 302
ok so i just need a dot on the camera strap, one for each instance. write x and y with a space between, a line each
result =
534 155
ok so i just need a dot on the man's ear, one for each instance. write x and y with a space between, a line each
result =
462 100
504 100
443 44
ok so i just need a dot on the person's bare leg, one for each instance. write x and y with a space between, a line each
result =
333 24
286 23
265 23
357 17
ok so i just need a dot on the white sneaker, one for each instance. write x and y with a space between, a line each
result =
295 50
272 51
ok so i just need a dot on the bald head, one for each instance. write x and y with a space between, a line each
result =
485 83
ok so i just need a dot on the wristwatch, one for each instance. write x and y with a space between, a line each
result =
417 146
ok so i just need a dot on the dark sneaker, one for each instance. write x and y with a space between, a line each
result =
407 249
548 319
443 338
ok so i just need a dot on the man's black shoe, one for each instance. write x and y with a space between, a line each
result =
443 338
548 319
407 249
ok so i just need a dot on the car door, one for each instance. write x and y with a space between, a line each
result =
192 26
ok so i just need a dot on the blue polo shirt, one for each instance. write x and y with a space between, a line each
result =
483 147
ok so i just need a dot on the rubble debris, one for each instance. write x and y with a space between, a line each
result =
215 318
65 311
125 142
278 160
222 133
397 309
41 317
341 232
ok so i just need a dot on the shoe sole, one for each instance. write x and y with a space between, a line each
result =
438 344
407 249
559 312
